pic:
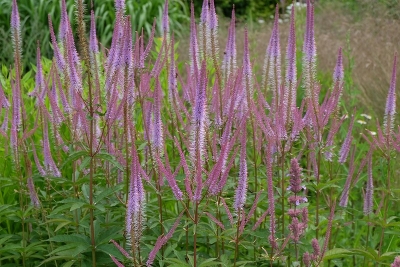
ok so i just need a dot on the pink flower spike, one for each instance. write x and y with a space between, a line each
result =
213 16
241 190
32 193
344 150
165 19
93 37
194 47
291 71
338 74
15 21
57 54
390 109
64 22
119 6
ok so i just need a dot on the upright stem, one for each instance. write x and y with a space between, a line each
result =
386 203
237 239
196 218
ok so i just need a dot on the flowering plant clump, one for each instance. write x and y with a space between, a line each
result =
121 156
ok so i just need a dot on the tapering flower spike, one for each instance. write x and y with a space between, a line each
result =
49 163
229 64
241 190
16 35
338 74
273 60
135 206
15 21
172 82
64 22
390 109
295 177
32 193
291 71
39 81
199 120
194 47
165 20
162 240
93 47
119 6
57 54
344 151
309 54
156 126
204 30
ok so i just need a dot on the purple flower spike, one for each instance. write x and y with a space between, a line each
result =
273 61
338 74
15 22
204 17
165 19
229 63
295 177
49 163
93 38
309 52
172 83
32 193
199 119
120 6
291 70
194 47
396 262
369 191
344 151
161 241
213 17
204 29
390 109
64 22
241 190
156 127
57 54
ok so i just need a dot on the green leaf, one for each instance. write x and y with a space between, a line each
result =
336 253
73 157
209 262
109 158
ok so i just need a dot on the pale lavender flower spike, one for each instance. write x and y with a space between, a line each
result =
241 190
64 22
213 16
274 67
156 128
396 262
291 70
32 193
204 17
15 21
344 151
172 83
57 54
93 38
338 74
194 47
229 63
165 19
3 99
295 177
49 163
199 117
390 109
120 5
